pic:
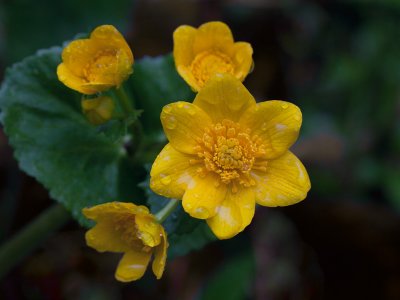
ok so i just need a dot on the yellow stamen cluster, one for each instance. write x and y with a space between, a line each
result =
103 65
228 150
208 63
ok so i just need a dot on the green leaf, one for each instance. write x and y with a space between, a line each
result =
184 232
232 281
156 83
80 164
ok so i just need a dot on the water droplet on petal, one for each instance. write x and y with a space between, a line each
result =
170 122
297 118
285 105
202 212
264 126
166 180
167 109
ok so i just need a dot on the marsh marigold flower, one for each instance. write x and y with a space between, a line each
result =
226 153
201 53
98 110
96 64
132 230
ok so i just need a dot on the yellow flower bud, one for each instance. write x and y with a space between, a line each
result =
132 230
98 110
98 63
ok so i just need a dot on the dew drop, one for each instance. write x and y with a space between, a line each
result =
167 109
191 111
202 212
170 123
166 180
180 105
297 118
264 126
285 105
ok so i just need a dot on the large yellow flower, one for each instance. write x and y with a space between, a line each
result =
132 230
98 63
226 153
201 53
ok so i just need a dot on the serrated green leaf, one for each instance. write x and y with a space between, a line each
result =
80 164
185 233
154 84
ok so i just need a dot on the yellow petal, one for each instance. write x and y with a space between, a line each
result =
132 265
171 173
277 123
103 237
184 124
203 196
234 214
148 230
242 59
213 35
108 37
188 76
74 82
77 55
183 45
160 256
224 97
285 182
108 210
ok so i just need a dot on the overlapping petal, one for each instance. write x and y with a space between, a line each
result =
132 266
284 183
233 214
149 230
242 58
213 35
224 97
277 123
103 237
203 196
184 124
183 45
171 173
160 255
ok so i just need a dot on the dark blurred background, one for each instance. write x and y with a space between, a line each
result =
338 60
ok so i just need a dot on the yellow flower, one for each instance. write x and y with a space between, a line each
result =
98 63
98 110
201 53
132 230
226 153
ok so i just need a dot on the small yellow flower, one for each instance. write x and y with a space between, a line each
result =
132 230
98 63
201 53
226 153
98 110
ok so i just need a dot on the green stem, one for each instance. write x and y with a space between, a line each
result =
30 237
166 211
126 102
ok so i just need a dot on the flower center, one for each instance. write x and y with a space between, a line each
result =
102 68
228 150
208 63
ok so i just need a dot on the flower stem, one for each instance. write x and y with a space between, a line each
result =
30 237
163 214
126 102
